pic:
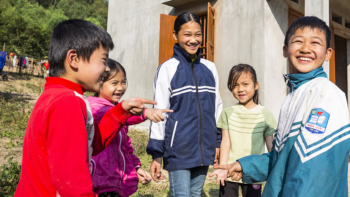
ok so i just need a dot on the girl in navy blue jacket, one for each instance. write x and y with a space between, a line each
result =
187 139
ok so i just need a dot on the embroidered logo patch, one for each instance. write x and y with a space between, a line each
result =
317 122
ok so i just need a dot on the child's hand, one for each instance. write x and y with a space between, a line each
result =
155 169
234 170
156 115
135 105
217 156
144 176
221 176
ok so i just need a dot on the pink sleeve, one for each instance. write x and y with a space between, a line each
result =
130 150
136 119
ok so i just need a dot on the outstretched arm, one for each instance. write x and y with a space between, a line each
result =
114 119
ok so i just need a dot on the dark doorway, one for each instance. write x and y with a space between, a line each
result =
341 72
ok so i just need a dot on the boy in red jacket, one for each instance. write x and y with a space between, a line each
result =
60 138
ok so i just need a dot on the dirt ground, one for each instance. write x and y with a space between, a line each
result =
26 88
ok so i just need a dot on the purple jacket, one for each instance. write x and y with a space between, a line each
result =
114 168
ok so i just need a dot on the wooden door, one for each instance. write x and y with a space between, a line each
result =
210 33
166 39
332 60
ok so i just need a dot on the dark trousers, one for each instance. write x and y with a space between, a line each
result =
248 190
109 194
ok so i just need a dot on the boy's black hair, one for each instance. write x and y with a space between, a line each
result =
184 18
313 23
83 36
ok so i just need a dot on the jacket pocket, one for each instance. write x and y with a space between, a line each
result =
172 137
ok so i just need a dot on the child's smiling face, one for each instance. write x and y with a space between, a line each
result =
244 90
92 72
114 88
189 37
307 50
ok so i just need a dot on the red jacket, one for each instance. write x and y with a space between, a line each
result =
55 149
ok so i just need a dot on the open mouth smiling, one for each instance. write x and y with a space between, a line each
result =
305 59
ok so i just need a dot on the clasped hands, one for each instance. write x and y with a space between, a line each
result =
233 171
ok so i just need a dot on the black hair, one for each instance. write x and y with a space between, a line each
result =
83 36
236 71
114 68
313 23
184 18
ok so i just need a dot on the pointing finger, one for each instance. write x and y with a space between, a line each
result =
167 110
147 101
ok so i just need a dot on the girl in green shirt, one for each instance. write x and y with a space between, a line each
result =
246 127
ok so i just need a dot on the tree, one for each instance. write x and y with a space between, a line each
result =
26 25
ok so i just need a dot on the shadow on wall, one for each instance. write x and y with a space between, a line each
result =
279 9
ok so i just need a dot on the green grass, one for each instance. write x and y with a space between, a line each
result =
14 113
9 177
14 117
38 89
161 189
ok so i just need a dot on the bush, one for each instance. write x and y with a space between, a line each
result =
9 177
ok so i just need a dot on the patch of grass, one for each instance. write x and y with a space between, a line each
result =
9 177
161 189
14 117
38 89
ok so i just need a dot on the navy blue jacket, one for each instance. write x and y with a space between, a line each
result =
187 137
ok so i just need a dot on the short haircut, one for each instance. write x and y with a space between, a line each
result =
83 36
184 18
313 23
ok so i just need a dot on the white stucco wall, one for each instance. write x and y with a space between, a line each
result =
134 27
255 37
246 31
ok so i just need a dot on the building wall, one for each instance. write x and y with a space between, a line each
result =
134 27
253 36
246 31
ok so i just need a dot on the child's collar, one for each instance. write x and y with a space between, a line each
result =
294 81
66 83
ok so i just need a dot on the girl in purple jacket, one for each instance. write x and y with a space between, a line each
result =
116 170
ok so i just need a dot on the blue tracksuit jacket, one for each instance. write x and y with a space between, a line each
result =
311 146
187 137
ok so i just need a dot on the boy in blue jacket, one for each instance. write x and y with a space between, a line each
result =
311 144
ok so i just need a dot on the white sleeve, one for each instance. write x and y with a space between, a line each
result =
218 101
162 93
